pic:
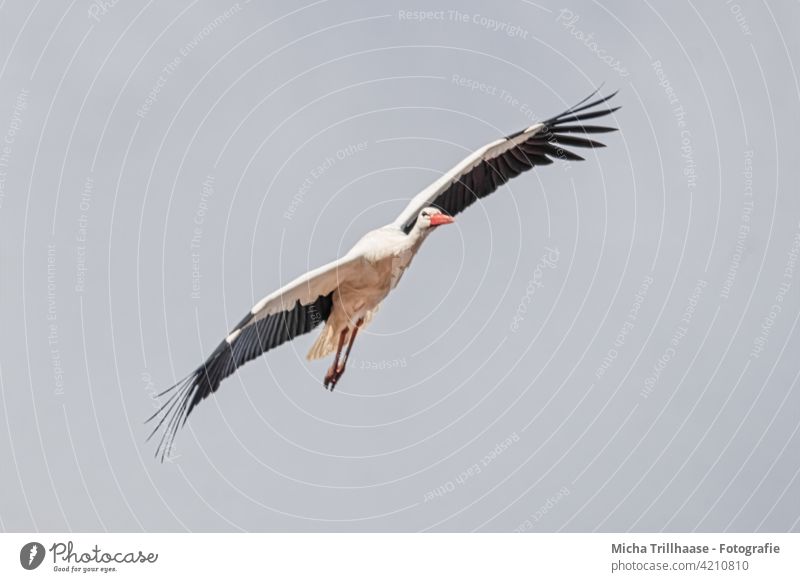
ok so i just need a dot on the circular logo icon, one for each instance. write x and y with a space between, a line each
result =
31 555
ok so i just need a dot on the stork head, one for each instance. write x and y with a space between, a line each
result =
431 217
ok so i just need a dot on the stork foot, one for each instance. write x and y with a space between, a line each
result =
332 377
329 376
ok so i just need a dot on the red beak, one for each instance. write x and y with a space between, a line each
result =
438 219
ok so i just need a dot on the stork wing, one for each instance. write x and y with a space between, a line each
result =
292 310
484 171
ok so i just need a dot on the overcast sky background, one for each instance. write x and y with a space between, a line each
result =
608 345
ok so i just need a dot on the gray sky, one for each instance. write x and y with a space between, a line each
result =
606 345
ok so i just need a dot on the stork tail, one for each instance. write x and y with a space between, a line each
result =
324 344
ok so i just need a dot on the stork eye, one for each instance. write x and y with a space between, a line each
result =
425 213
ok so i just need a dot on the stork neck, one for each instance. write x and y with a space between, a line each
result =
418 235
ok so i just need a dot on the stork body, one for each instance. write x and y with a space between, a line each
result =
380 259
346 293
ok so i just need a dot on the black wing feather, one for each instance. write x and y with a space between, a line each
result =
255 338
549 143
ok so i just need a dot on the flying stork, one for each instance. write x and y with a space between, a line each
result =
345 293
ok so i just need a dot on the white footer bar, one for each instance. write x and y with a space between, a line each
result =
389 557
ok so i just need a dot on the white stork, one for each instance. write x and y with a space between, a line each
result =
347 292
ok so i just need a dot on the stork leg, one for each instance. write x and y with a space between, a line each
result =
337 370
359 323
332 376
